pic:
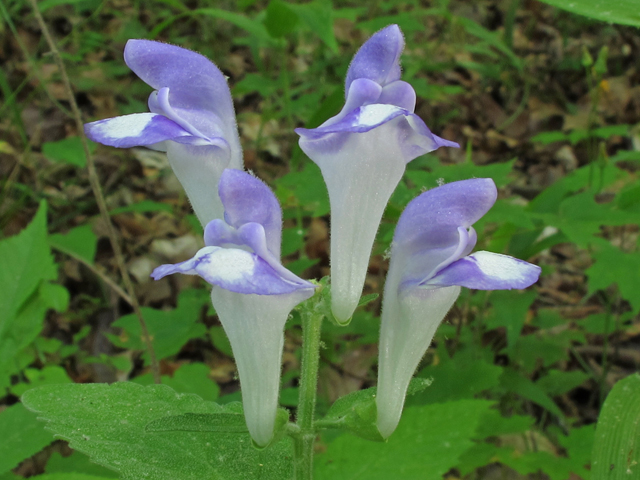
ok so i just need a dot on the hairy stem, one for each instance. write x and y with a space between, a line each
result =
303 442
97 191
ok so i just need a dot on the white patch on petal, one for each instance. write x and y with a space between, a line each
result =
375 114
123 127
499 266
230 264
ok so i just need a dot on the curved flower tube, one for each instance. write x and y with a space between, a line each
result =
362 153
191 118
253 293
430 261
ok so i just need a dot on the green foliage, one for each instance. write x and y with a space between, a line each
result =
27 262
75 464
623 12
170 329
427 443
189 378
27 294
356 412
79 242
68 150
280 19
458 377
22 436
615 267
110 425
616 455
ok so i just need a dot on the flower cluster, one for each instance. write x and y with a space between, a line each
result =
362 153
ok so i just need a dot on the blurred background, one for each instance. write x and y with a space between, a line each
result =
544 101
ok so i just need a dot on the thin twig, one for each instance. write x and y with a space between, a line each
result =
103 276
97 191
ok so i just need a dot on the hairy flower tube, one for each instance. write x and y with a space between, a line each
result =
430 261
362 153
253 293
191 118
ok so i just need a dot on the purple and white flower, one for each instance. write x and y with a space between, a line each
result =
253 293
191 118
362 153
430 261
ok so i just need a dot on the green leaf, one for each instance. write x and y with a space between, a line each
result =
557 382
25 327
202 422
280 20
365 299
462 376
70 476
68 150
616 447
510 311
303 188
230 421
26 261
516 383
356 412
493 424
109 424
251 26
189 378
614 266
499 172
75 464
49 375
428 442
22 436
624 12
79 242
292 240
318 16
220 340
169 329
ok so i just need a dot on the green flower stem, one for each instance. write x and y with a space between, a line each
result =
303 442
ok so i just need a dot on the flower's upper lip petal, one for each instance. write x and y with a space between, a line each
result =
195 82
138 129
400 94
234 270
487 271
246 199
432 219
199 91
378 58
432 231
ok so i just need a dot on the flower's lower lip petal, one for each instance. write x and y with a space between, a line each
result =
488 271
138 129
234 270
